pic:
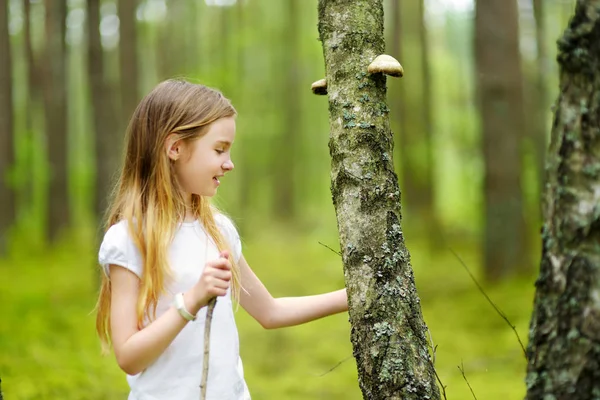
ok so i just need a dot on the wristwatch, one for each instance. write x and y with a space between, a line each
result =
180 306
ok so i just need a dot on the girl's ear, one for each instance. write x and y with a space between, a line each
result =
173 146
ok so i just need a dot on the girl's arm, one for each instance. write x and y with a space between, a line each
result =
136 349
280 312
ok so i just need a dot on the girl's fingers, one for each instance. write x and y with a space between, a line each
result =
221 263
221 274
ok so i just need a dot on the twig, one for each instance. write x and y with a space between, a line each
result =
462 371
491 302
336 252
335 366
441 384
209 313
432 361
1 397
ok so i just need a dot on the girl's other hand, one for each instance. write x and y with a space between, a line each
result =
213 282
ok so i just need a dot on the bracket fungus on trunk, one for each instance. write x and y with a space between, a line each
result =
319 87
386 65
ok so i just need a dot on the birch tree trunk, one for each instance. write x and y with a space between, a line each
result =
564 343
388 334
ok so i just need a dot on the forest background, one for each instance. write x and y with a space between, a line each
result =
64 105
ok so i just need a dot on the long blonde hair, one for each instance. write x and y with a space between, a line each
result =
148 196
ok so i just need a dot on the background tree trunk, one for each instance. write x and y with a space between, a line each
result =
564 343
499 81
32 104
103 113
128 59
7 156
289 138
55 100
542 111
388 335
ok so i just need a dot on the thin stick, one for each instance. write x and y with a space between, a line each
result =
462 371
209 313
336 252
335 366
491 302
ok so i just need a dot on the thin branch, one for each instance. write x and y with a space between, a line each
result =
491 302
441 384
461 368
432 361
209 313
336 252
334 367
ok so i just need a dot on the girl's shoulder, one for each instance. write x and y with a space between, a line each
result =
118 248
228 229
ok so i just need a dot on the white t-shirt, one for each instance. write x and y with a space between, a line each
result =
177 372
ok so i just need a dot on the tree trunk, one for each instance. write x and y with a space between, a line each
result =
103 113
564 342
7 155
541 93
429 216
55 105
285 161
388 334
128 60
32 103
499 81
397 102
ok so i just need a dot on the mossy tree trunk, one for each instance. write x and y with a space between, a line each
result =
564 343
388 334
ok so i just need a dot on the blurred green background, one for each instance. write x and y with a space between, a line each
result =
263 55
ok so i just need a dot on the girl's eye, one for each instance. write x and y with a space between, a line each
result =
219 151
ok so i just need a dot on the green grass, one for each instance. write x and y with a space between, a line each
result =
48 348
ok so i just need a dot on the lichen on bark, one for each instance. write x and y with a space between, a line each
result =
388 334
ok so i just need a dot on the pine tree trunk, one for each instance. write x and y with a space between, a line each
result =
128 59
564 342
541 93
103 113
55 106
499 81
288 140
7 197
388 334
32 104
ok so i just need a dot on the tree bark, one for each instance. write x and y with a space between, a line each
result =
500 86
7 155
128 59
388 334
103 113
55 106
564 340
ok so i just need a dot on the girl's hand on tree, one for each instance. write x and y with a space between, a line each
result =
213 282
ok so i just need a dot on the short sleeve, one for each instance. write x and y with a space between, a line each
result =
231 235
118 248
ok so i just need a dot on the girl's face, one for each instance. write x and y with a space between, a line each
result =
200 163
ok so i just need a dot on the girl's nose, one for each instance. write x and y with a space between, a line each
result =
228 165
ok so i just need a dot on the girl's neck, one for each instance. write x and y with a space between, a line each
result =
189 215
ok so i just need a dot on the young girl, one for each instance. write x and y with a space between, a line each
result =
167 252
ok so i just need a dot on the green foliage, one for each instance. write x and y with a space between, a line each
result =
48 348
